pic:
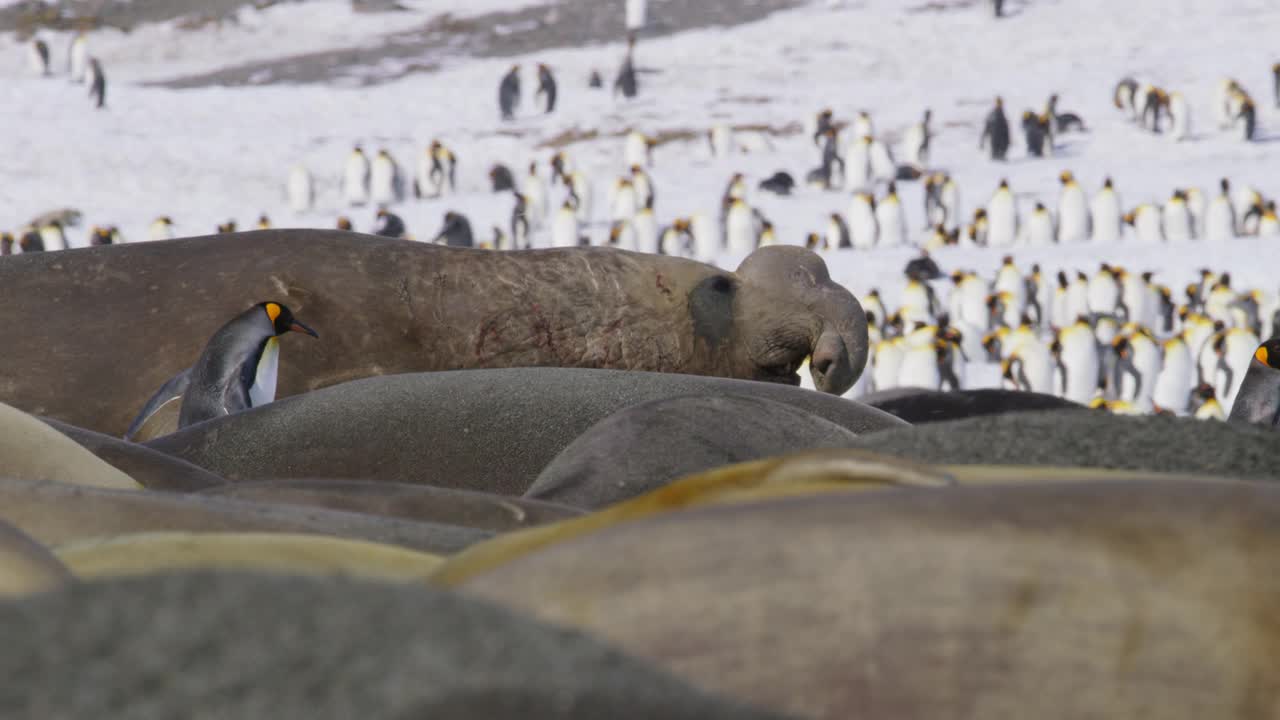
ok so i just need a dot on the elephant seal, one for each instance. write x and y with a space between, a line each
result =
27 566
1138 598
388 306
919 405
55 514
282 553
1071 438
646 446
257 646
484 511
149 468
32 450
484 430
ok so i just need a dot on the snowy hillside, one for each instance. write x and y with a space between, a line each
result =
203 155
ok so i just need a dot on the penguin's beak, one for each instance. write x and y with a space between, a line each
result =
299 327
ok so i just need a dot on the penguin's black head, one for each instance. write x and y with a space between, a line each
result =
282 319
1268 353
1107 183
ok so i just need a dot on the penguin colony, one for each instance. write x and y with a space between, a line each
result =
1110 336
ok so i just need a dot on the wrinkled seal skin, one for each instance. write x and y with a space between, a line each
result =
484 430
1152 598
102 328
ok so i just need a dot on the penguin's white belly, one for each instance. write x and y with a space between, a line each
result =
263 389
300 190
1147 227
355 182
919 369
887 365
706 237
1002 224
741 232
383 183
1039 231
565 231
1177 222
1106 220
646 230
863 230
893 231
1218 222
1072 217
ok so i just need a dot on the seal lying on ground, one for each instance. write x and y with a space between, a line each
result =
920 405
1116 598
646 446
1072 438
113 324
486 430
205 646
151 469
55 514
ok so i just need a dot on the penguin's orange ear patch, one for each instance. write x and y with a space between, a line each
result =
273 311
1261 354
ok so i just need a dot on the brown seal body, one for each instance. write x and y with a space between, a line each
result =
121 321
1119 598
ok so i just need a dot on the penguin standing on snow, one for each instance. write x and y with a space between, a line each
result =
386 183
864 228
535 198
1179 117
857 163
1154 104
1062 122
1220 217
355 178
1125 97
520 223
438 166
626 82
1104 212
1176 218
1073 211
740 228
838 233
862 125
509 93
38 55
830 174
300 189
643 186
720 139
995 132
645 226
916 142
564 228
501 179
1035 130
891 218
1039 227
456 231
78 58
1258 399
623 203
546 89
97 84
1002 217
1247 120
388 224
1147 222
638 149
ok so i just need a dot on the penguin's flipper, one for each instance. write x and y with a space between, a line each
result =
160 415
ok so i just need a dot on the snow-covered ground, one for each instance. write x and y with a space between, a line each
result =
206 155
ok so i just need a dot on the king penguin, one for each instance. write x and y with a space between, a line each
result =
915 143
1147 222
355 178
646 228
509 93
78 58
626 82
740 230
837 236
546 92
97 83
1073 211
1220 217
643 186
456 231
161 229
1076 355
1002 217
238 368
891 219
520 223
864 228
300 189
862 125
38 56
883 168
535 197
995 132
1176 218
623 202
857 163
1038 232
638 149
1258 399
1105 214
386 183
1179 117
564 228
